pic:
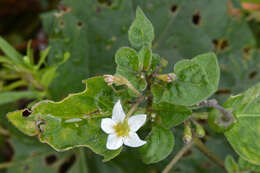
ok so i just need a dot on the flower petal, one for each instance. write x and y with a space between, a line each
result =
136 121
114 142
133 140
107 125
118 114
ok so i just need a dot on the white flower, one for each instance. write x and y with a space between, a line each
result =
122 130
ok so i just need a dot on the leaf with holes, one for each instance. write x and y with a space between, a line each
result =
141 31
159 145
171 115
244 137
72 122
197 79
128 66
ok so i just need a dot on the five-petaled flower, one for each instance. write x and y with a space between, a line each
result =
122 130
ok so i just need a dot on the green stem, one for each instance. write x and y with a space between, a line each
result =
14 85
200 115
177 157
203 148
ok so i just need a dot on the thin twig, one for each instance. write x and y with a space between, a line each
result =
135 106
203 148
177 157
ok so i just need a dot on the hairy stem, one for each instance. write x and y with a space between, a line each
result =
177 157
227 116
203 148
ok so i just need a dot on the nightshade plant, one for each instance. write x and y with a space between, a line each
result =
163 101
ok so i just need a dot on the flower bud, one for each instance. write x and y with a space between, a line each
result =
170 77
119 80
200 130
109 79
187 134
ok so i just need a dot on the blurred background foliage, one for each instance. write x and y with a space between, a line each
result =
91 31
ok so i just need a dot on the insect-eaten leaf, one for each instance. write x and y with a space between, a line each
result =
244 137
72 122
197 79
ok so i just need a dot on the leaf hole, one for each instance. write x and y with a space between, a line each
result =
67 164
253 75
223 91
224 44
26 113
215 42
64 9
50 160
196 19
79 24
174 8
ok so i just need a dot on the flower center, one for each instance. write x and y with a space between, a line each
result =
122 129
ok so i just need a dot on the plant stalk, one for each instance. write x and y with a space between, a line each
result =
177 157
135 106
203 148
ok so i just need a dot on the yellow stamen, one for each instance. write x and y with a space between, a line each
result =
122 129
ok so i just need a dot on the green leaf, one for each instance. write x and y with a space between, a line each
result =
145 58
244 136
10 52
128 66
48 76
197 79
29 54
11 96
141 31
171 115
159 145
72 122
49 73
243 164
231 165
